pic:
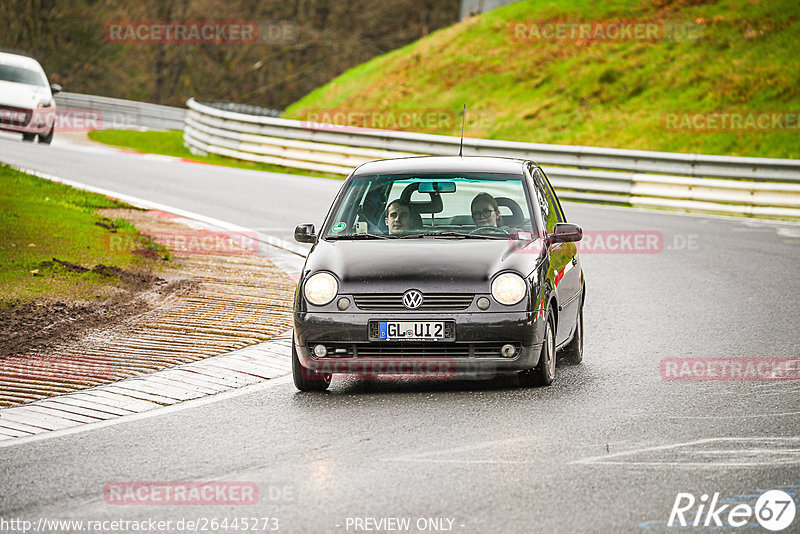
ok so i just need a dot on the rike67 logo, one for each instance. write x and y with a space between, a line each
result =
774 510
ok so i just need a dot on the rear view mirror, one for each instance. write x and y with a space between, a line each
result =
55 88
565 233
437 187
305 233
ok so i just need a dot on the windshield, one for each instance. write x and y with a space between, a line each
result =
9 73
479 205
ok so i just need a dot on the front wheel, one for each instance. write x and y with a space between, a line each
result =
47 139
545 372
307 379
28 137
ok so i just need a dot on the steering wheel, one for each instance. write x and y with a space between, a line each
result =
486 230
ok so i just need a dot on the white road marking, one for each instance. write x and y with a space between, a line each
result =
783 414
435 456
770 456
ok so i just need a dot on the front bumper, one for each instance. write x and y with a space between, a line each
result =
475 350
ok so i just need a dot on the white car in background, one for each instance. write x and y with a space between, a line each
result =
26 98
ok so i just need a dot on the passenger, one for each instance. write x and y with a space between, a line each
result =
398 216
485 210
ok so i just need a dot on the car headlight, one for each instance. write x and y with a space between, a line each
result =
508 288
320 289
45 104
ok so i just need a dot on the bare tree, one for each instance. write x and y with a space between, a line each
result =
329 37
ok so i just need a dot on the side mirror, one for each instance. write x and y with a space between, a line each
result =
305 233
55 88
565 233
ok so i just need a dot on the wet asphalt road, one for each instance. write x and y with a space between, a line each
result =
607 448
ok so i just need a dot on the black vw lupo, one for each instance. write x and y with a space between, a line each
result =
440 267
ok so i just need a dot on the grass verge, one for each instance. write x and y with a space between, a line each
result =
53 244
521 81
170 143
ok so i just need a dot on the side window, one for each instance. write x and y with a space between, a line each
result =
546 204
552 196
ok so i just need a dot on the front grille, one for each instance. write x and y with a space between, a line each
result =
14 116
430 301
415 350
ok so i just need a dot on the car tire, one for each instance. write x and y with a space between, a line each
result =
545 371
47 139
306 379
28 137
573 352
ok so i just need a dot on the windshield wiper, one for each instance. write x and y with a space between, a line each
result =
360 236
462 235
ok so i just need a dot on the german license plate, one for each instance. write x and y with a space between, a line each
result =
12 116
411 330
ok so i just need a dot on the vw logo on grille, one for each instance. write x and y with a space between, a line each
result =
412 299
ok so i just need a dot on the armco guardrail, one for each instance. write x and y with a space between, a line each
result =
114 113
757 187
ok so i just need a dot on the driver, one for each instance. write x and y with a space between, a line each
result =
485 211
398 216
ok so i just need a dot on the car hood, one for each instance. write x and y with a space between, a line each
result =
427 264
21 95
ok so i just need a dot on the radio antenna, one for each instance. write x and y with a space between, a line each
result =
463 120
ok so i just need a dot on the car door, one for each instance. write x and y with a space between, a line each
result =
564 266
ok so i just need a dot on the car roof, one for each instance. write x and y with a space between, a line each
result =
20 61
442 164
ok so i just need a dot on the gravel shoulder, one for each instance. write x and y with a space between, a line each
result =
213 297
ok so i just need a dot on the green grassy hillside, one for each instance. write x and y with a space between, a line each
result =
739 56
